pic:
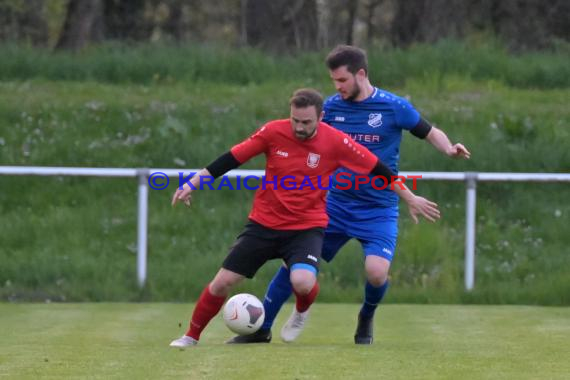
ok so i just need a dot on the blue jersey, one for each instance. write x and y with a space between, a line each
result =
377 123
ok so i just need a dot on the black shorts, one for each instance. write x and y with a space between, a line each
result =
258 244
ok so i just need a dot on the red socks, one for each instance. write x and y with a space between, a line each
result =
207 307
303 302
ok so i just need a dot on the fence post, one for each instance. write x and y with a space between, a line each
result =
470 225
142 225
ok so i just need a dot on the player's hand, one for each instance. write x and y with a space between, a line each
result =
424 207
459 151
183 195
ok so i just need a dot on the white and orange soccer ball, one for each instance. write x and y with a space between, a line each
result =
244 314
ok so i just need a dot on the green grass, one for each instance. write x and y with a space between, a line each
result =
74 239
119 341
191 64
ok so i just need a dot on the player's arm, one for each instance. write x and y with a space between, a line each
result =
360 160
439 140
218 167
416 205
237 156
409 118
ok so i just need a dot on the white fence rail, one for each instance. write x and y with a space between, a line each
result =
470 179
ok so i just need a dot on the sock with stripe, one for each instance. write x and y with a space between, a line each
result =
372 297
207 307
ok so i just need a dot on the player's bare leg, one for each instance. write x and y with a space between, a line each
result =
306 288
209 304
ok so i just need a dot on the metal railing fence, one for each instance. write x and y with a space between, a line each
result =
469 178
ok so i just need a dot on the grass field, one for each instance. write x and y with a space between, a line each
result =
76 232
413 342
74 239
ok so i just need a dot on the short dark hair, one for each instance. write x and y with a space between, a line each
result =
307 97
350 56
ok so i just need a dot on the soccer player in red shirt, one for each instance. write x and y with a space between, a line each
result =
288 216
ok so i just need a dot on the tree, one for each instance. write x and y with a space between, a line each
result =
370 30
281 24
342 16
125 20
352 8
33 24
77 29
24 21
174 24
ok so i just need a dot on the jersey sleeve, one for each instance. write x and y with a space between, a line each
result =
406 115
354 156
254 145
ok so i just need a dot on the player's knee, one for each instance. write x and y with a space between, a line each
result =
377 281
377 275
302 282
377 269
223 283
303 287
220 288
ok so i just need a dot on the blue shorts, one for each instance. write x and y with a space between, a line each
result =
375 228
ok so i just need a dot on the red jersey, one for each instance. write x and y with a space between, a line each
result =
286 200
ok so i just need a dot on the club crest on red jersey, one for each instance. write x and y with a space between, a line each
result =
313 160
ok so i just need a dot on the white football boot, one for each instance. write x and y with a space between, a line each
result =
294 325
183 342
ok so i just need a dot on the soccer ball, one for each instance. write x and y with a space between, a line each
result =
244 314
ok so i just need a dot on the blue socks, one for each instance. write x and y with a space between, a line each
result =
278 292
372 297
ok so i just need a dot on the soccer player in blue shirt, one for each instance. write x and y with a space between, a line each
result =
374 118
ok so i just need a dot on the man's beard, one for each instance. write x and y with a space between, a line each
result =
304 135
354 94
